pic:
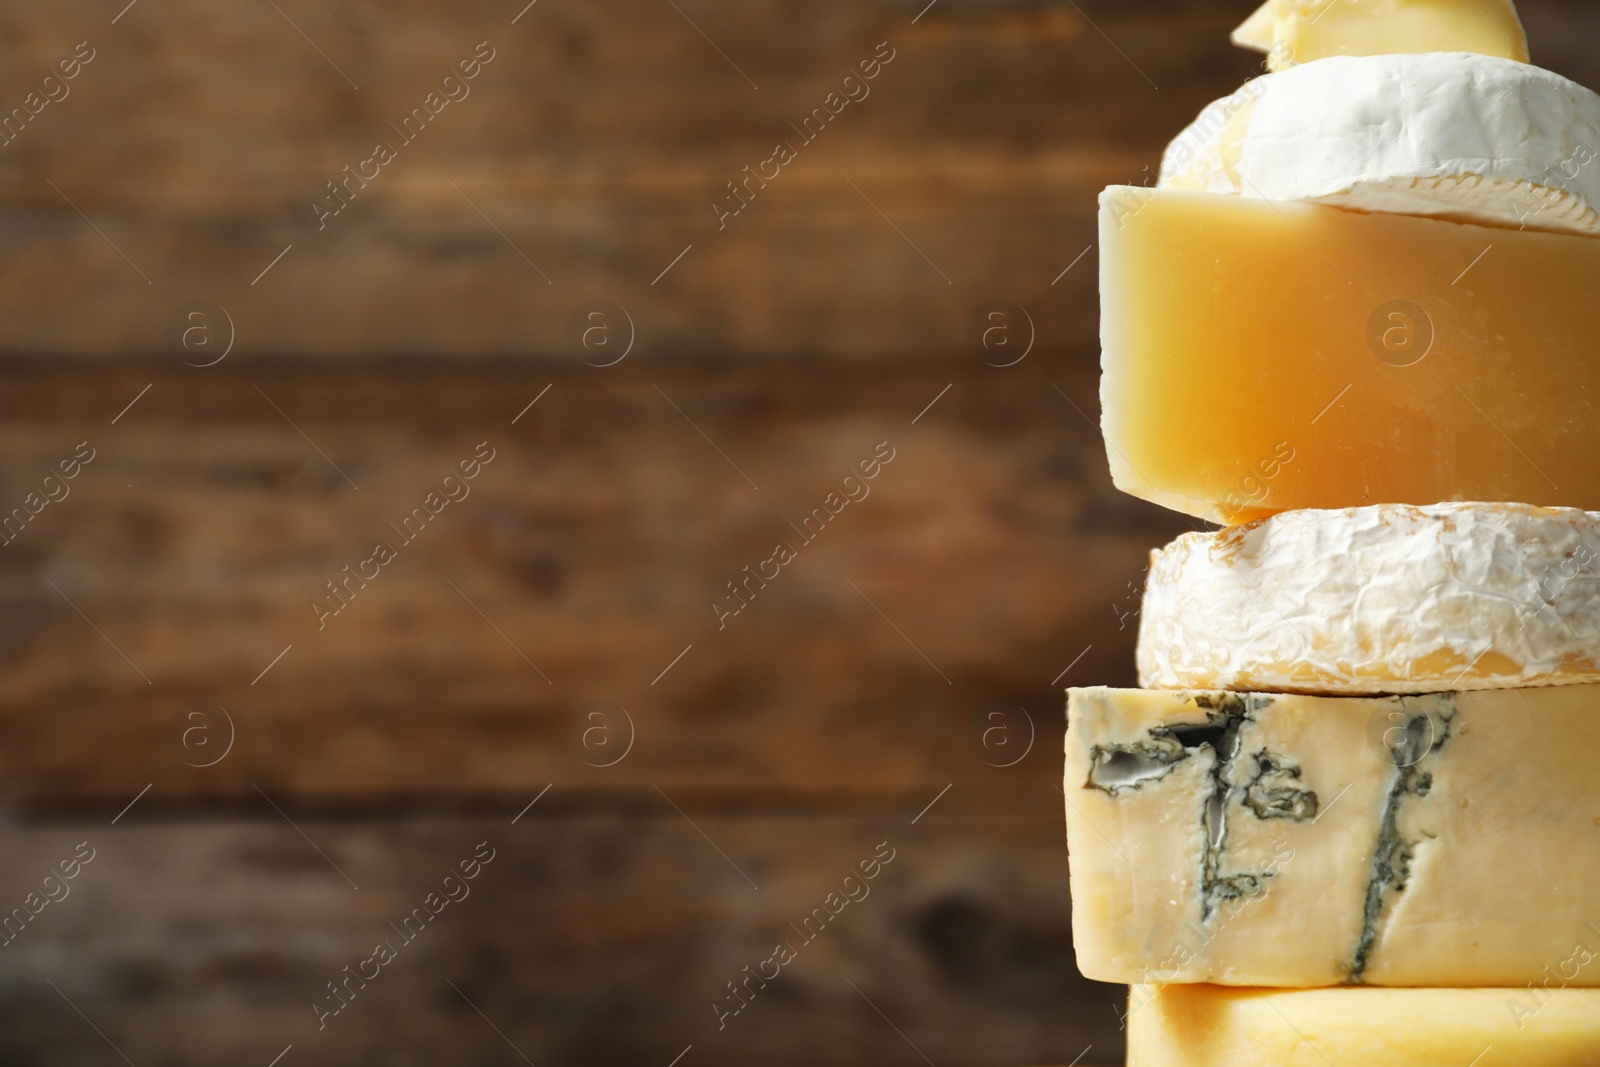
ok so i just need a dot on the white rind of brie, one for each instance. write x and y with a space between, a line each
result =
1451 135
1390 598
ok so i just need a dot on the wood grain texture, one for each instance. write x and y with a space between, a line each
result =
885 686
586 157
595 142
189 552
603 938
989 554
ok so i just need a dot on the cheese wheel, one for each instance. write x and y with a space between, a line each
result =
1204 1026
1263 356
1390 598
1448 135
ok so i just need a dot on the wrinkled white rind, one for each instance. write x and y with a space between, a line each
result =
1449 135
1384 599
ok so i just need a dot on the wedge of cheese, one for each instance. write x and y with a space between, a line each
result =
1300 31
1443 840
1385 599
1262 356
1208 1026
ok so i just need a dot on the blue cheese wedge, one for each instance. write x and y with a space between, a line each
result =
1446 839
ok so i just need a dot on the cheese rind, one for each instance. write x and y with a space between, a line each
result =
1302 31
1278 840
1261 356
1384 599
1210 1026
1445 135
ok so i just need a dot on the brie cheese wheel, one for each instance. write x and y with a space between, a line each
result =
1448 135
1383 599
1299 31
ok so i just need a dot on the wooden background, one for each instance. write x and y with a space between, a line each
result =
917 645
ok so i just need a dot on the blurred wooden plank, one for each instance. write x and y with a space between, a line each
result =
599 939
990 553
596 141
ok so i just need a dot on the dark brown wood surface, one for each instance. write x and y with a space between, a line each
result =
588 555
188 555
600 936
169 697
596 141
192 547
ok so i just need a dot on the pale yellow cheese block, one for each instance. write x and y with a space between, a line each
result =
1300 31
1209 1026
1262 356
1256 839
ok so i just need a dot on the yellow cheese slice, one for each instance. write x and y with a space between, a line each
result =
1385 599
1300 31
1255 839
1259 32
1208 1026
1262 356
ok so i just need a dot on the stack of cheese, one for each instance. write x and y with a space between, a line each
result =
1353 818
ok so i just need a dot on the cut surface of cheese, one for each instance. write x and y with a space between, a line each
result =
1301 31
1260 357
1445 135
1208 1026
1296 841
1384 599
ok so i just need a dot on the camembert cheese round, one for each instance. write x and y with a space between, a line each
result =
1390 598
1451 135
